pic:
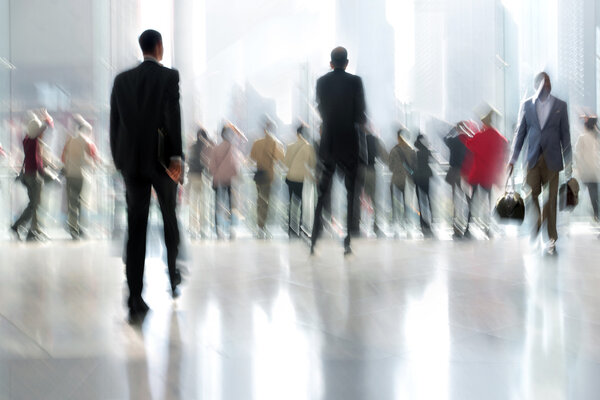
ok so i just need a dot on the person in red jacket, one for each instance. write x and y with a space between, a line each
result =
488 148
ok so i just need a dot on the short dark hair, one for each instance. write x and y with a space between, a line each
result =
539 78
300 129
339 57
201 133
148 40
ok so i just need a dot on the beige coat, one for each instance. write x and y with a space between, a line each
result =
299 159
265 152
587 157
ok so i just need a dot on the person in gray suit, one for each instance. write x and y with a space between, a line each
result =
544 122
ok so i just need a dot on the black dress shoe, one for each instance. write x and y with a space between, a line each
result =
136 317
175 282
347 250
14 231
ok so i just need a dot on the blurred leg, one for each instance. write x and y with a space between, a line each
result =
262 206
350 173
534 181
593 191
138 204
323 191
166 193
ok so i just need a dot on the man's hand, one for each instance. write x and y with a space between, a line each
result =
174 170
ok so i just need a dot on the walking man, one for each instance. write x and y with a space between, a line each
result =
145 140
544 121
341 103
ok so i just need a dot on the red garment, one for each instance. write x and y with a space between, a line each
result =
488 147
33 157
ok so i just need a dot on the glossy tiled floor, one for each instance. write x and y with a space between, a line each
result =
262 320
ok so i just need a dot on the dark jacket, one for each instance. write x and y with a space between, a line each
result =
143 100
341 103
422 171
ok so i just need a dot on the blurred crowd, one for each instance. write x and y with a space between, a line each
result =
263 188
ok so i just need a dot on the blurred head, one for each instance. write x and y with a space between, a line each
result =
34 127
227 133
590 122
339 58
201 134
301 129
542 83
402 131
81 125
268 124
151 44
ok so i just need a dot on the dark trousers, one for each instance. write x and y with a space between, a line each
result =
593 191
295 191
222 204
138 191
395 191
33 183
487 193
74 187
537 177
324 188
424 202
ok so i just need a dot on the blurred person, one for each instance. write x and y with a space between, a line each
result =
367 177
341 103
32 176
198 163
78 153
422 175
459 162
587 160
146 144
299 160
401 163
224 166
265 152
488 148
544 121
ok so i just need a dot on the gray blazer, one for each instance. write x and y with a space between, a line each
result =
554 139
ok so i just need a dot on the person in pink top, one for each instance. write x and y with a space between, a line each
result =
224 166
488 148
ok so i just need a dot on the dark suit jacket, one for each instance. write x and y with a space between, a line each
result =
553 139
143 100
341 103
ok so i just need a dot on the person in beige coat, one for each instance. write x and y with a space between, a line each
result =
300 160
265 152
587 160
79 152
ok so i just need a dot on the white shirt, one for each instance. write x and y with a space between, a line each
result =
543 108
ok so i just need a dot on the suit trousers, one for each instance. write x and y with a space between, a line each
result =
324 188
593 192
295 192
138 191
74 187
33 183
262 203
537 177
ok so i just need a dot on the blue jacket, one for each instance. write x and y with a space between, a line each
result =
554 139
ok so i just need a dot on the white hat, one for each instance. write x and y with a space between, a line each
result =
34 127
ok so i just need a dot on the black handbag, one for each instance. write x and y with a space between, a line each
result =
568 195
261 177
510 207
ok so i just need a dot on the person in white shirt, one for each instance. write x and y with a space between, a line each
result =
300 160
587 160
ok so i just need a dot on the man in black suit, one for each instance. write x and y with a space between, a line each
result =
341 103
144 102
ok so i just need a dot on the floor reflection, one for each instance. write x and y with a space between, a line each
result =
263 320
